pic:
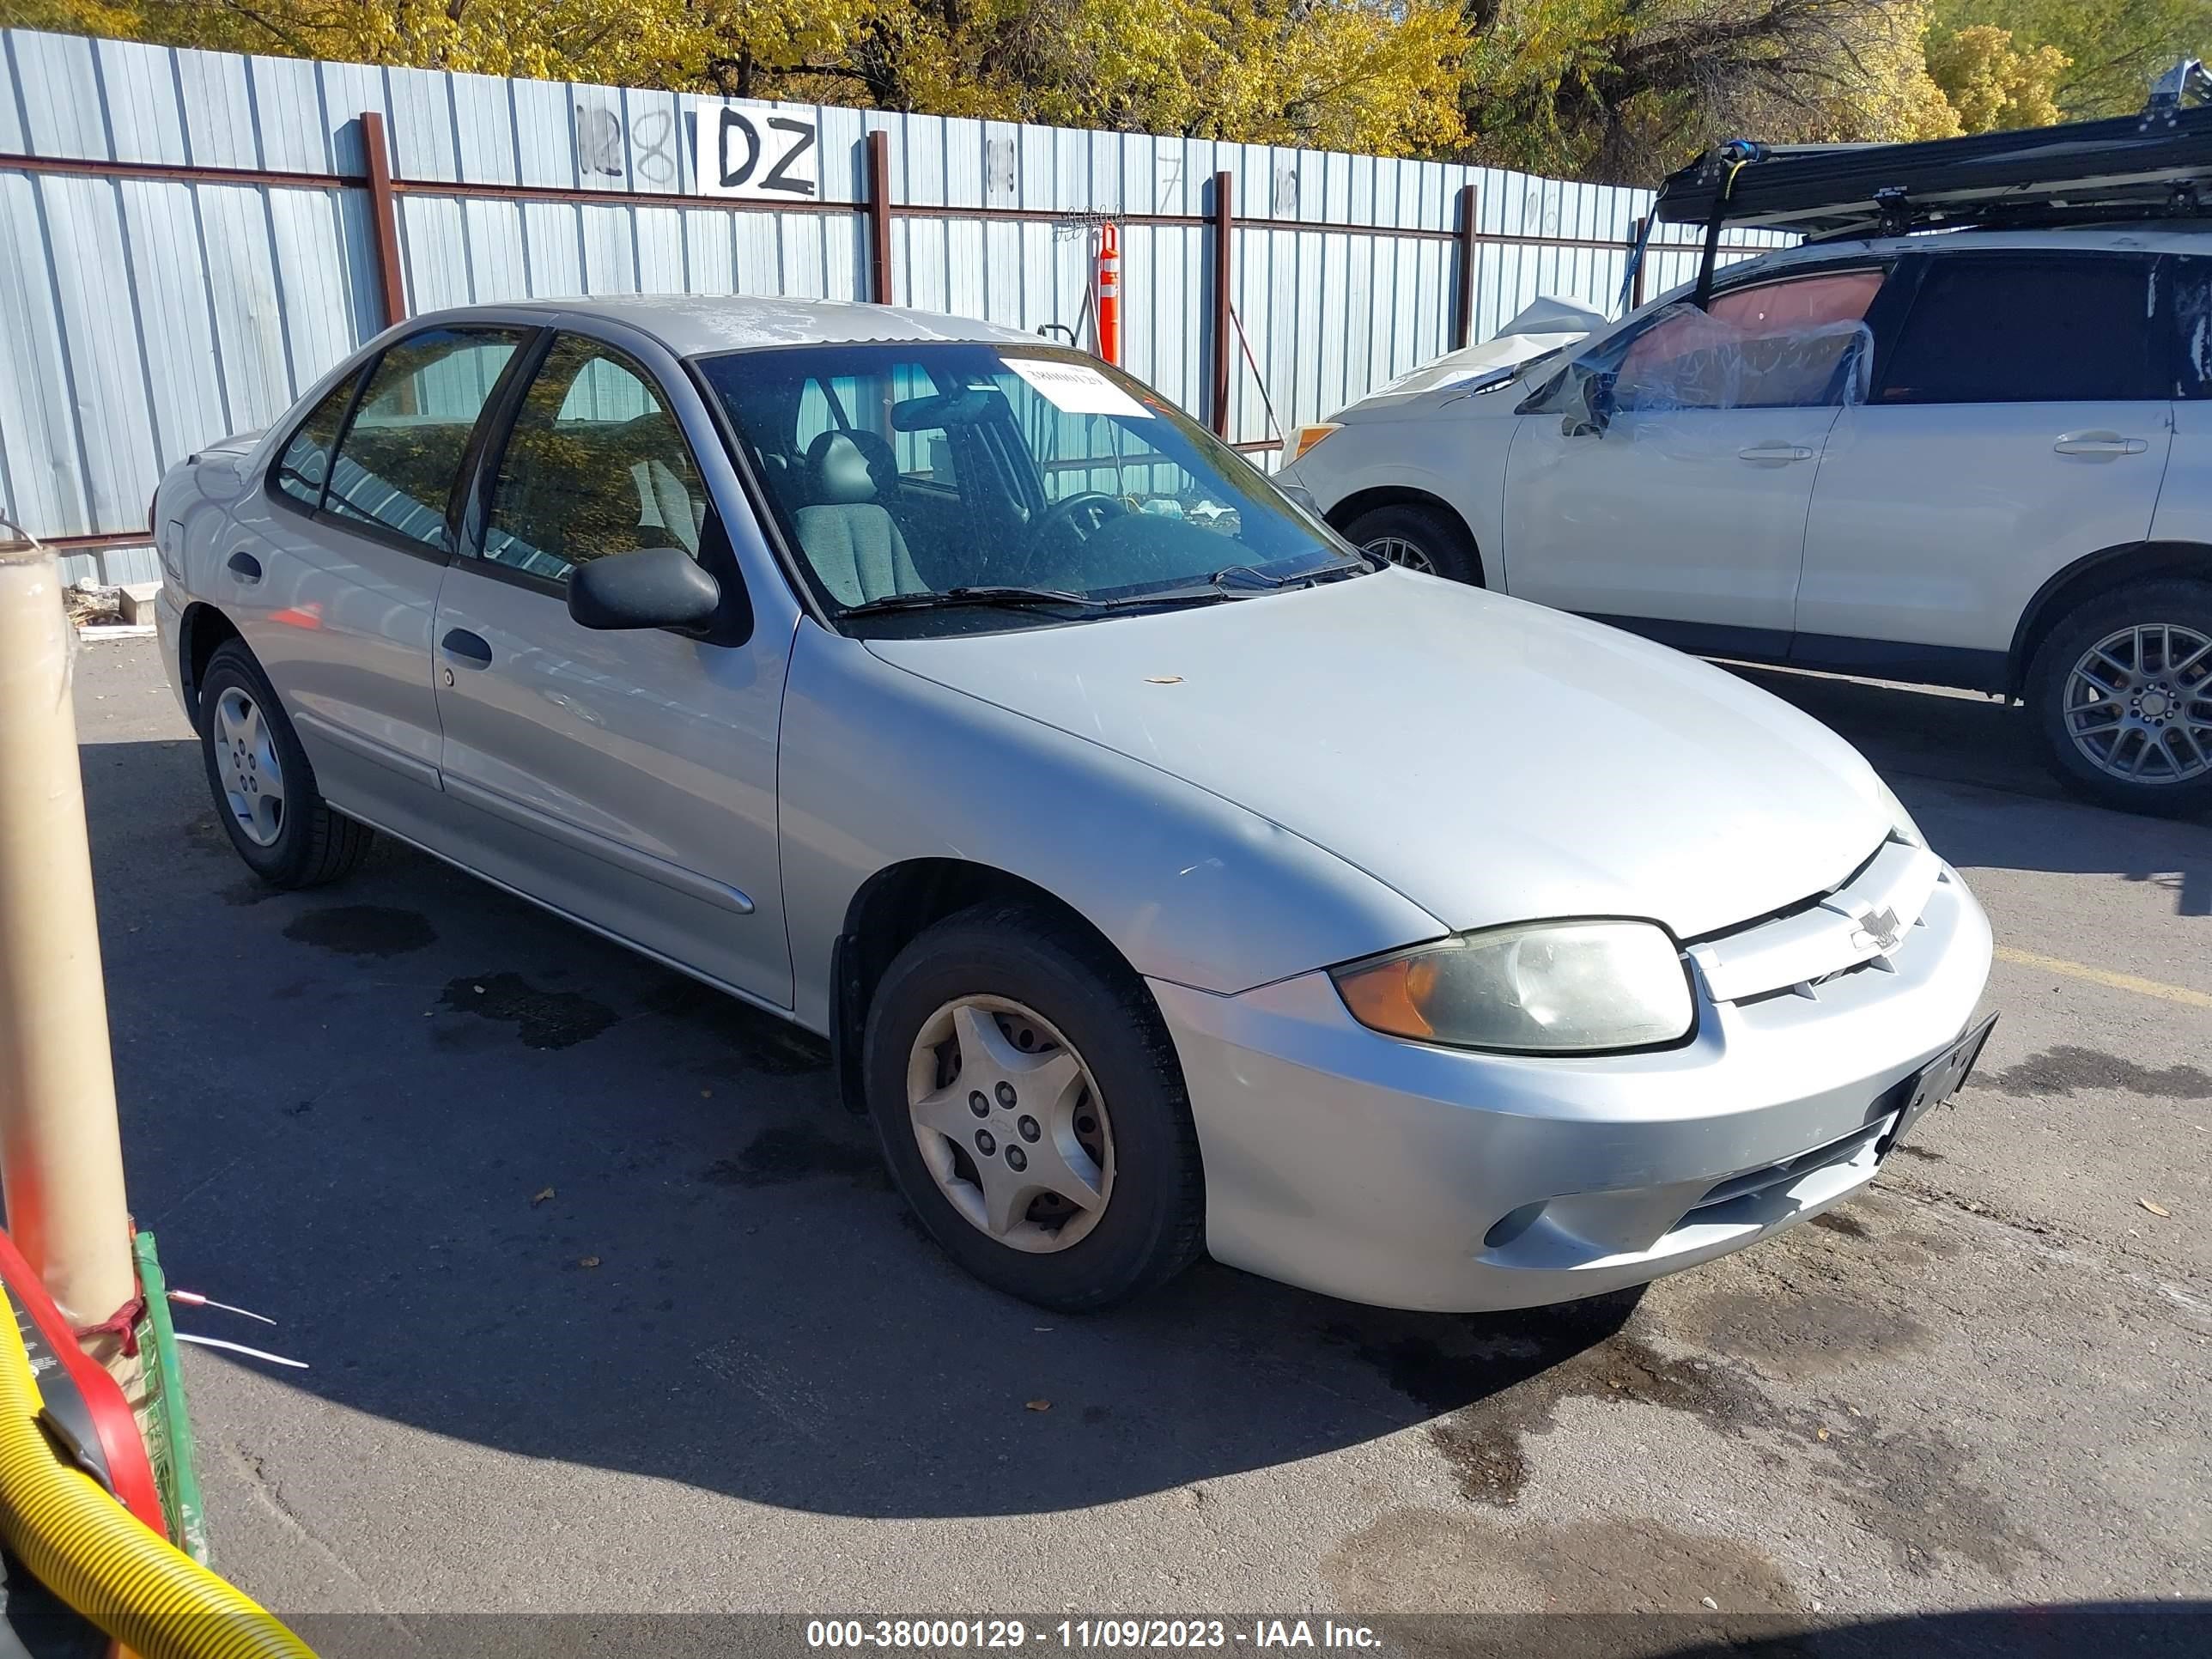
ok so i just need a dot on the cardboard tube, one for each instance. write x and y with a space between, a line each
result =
61 1154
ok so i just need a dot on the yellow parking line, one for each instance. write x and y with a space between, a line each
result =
2149 987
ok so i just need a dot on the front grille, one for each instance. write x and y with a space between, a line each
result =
1863 924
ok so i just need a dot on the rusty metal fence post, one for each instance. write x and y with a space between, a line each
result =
384 216
1469 251
1224 230
879 217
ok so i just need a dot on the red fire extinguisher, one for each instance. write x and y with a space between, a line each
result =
1108 290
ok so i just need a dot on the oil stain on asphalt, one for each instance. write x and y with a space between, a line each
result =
2062 1069
363 930
543 1019
1421 1561
1498 1381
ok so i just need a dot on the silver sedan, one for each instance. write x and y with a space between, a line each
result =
1163 877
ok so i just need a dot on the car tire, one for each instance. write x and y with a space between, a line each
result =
1419 539
1110 1117
2121 694
287 835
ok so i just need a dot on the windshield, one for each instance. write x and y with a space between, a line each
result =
901 471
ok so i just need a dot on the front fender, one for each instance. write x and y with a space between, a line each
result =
878 766
1445 452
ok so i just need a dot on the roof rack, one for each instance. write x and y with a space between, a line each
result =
2132 167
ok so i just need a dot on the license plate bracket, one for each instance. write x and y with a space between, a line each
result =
1935 1083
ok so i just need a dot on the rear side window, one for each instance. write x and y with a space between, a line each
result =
401 452
304 466
1988 330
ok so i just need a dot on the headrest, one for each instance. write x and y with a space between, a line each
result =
850 466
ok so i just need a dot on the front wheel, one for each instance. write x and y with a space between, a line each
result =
1424 538
2121 692
1032 1111
264 789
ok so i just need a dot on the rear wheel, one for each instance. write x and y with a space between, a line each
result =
2121 692
1032 1110
1424 538
265 790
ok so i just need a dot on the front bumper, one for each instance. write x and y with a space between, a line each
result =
1410 1176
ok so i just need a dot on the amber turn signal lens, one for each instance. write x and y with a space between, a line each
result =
1309 435
1388 996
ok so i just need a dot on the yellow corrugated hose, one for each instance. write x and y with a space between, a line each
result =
88 1549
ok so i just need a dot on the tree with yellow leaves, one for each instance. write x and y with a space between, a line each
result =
1991 84
1620 90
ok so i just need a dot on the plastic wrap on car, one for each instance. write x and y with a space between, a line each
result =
1708 363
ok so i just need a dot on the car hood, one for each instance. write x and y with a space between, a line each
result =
1491 759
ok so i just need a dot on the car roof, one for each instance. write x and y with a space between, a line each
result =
693 324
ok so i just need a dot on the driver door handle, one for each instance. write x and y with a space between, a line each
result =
464 647
1776 454
2100 443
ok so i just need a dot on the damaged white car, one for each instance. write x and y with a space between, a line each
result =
1981 458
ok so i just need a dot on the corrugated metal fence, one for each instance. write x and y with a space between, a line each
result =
188 238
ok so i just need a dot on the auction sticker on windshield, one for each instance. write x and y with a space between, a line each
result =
1076 388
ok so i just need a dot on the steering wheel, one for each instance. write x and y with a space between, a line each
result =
1081 516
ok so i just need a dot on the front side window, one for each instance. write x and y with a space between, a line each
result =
2028 329
910 469
403 449
304 466
1790 344
595 466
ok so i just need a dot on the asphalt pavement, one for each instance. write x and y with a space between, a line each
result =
609 1308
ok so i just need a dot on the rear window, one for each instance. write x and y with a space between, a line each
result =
1995 330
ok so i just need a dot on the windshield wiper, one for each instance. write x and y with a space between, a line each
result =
1303 576
988 595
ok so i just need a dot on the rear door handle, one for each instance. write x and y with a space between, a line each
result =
245 567
1776 454
464 647
2100 443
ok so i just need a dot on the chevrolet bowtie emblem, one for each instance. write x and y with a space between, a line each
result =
1880 928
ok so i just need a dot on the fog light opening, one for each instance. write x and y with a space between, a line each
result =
1510 1226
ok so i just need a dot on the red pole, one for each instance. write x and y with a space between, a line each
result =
1225 225
384 216
879 217
1109 292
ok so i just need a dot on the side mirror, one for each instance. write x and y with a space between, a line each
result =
1589 408
654 587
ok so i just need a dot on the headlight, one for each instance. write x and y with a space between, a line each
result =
1887 800
1308 436
1541 987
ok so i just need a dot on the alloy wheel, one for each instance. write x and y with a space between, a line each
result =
2138 704
1011 1123
253 778
1396 550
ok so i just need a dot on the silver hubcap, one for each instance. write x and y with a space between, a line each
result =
1011 1123
245 762
1396 550
2139 704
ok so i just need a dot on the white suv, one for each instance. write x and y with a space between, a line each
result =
1978 460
